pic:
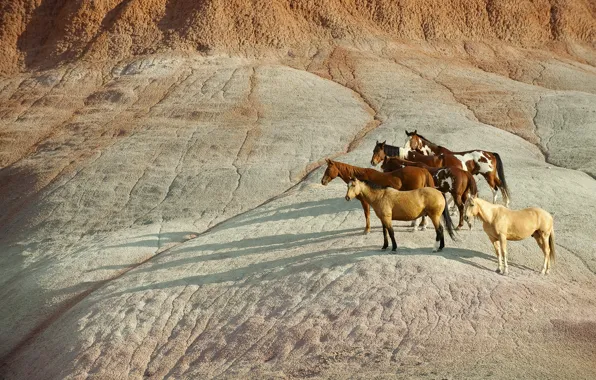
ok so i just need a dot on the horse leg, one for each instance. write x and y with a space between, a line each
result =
503 241
499 185
414 223
491 179
542 240
423 223
497 246
388 228
392 235
440 237
366 208
460 207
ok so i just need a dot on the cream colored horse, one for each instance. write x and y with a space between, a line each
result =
390 204
502 224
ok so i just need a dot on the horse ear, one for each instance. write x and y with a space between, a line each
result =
415 131
407 133
377 142
328 161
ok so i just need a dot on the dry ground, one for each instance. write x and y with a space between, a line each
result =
164 217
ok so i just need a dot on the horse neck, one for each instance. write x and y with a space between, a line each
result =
369 194
346 172
432 146
485 210
392 151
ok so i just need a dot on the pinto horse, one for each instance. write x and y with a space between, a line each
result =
409 179
390 204
488 164
459 183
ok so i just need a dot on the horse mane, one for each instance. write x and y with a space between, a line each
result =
348 169
423 138
373 185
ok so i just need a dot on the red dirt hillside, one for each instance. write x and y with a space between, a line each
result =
38 33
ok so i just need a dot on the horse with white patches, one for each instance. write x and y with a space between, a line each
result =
488 164
502 224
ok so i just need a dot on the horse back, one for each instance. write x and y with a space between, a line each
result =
411 204
382 179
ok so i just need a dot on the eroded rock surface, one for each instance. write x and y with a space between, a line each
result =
161 214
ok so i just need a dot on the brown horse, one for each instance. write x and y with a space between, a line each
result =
383 150
459 183
488 164
502 224
409 179
437 161
390 204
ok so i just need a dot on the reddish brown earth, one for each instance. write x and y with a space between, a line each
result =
161 213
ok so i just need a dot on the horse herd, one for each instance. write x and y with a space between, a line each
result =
413 185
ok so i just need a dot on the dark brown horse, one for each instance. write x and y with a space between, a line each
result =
457 182
383 150
410 178
488 164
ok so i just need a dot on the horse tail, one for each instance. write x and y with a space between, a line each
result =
447 219
551 244
501 173
472 187
430 182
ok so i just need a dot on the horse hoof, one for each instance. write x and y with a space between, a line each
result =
385 247
393 250
366 232
498 270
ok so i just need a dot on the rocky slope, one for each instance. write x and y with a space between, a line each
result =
161 212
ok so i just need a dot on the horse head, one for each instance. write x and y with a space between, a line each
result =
413 141
378 153
331 173
470 209
353 189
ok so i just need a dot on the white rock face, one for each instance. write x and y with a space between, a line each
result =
169 221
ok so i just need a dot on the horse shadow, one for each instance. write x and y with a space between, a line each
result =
461 255
286 266
294 211
267 270
243 247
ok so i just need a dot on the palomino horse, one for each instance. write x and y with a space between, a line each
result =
390 204
383 150
459 183
502 224
410 179
488 164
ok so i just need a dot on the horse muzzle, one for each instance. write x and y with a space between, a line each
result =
348 198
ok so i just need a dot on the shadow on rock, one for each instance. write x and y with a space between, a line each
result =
294 211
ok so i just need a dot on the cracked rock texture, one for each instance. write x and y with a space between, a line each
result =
161 212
